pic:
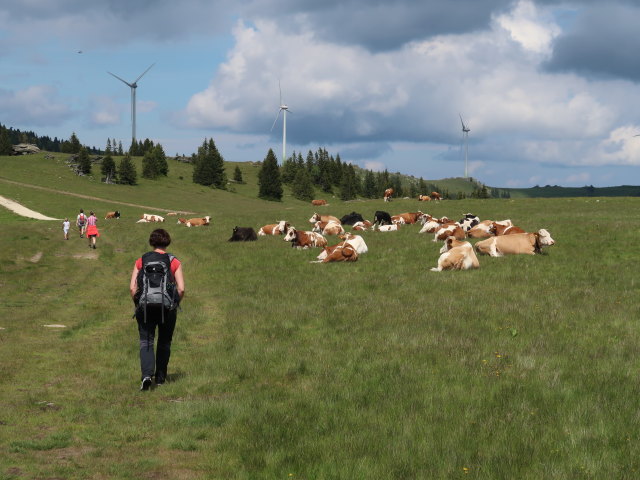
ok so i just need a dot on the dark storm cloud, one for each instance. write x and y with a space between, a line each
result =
604 42
380 26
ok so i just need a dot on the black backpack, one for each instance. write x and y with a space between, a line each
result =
156 284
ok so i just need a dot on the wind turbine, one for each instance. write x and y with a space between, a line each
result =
283 108
465 139
133 87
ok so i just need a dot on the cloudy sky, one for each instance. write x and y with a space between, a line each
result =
550 89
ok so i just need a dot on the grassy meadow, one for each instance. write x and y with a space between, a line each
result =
282 369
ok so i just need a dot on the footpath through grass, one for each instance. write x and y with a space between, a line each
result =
525 368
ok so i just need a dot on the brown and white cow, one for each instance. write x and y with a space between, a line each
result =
448 230
323 218
279 228
461 257
518 243
498 229
435 196
354 241
388 193
424 198
451 242
148 217
361 226
397 220
386 228
319 202
304 239
333 228
345 254
198 222
115 214
408 218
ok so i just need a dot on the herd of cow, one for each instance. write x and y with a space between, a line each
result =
498 238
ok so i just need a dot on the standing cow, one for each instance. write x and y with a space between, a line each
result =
382 218
388 193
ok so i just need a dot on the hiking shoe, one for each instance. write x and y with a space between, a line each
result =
94 247
146 383
160 379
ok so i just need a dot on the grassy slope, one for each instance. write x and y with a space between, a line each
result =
526 368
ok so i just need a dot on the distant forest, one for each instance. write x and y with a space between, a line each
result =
44 142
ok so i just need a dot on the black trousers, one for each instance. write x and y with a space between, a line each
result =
155 363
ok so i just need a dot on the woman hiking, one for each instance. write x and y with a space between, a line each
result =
149 316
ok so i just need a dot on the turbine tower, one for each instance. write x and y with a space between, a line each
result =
283 108
133 87
465 139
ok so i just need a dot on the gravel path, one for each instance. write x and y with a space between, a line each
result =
22 210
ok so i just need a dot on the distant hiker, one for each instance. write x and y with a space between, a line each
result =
66 225
92 230
81 222
157 287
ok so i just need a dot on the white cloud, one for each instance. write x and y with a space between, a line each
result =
374 166
532 30
37 105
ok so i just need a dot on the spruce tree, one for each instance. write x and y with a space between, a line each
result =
75 143
127 174
302 187
120 149
269 181
108 149
349 186
6 148
161 160
108 168
237 175
202 167
219 175
149 167
369 189
84 162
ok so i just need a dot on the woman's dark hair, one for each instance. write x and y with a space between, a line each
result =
159 238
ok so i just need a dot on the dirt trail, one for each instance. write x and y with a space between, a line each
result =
21 210
88 197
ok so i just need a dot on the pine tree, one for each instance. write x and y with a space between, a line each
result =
84 162
161 160
369 189
120 149
219 175
349 186
209 166
108 149
127 174
269 181
302 187
108 168
6 148
75 143
149 166
237 175
289 169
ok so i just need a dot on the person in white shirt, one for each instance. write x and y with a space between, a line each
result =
65 228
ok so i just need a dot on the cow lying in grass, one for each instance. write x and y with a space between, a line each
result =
458 256
304 239
519 243
198 222
279 228
115 214
243 234
354 241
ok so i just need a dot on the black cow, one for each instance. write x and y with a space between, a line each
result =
351 218
243 234
382 218
469 221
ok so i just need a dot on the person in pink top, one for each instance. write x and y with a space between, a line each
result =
92 230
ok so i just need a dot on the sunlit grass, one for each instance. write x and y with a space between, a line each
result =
524 368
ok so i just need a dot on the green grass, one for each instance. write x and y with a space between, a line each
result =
525 368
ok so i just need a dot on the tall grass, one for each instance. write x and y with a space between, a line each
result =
525 368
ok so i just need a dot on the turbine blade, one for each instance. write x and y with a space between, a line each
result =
274 122
123 81
136 81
